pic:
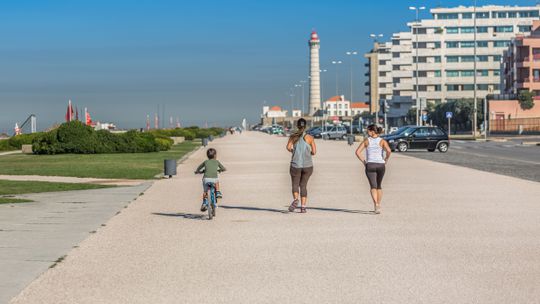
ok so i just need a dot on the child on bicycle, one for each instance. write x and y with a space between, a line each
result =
210 167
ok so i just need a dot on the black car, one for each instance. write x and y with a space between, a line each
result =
418 137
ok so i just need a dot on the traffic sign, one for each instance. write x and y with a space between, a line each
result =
449 115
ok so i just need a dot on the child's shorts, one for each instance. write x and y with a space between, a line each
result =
208 180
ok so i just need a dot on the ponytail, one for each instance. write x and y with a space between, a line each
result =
301 125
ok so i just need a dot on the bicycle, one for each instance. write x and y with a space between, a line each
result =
211 207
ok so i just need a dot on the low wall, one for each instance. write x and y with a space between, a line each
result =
515 125
178 140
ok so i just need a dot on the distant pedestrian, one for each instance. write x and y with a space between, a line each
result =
374 162
302 146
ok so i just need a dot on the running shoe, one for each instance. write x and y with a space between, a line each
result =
293 205
218 194
204 207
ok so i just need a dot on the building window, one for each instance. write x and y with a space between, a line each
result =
524 28
395 42
466 16
436 45
503 29
437 87
482 15
468 87
395 55
467 44
466 30
467 58
452 44
512 14
437 73
452 73
482 73
481 29
498 15
482 58
437 59
501 43
447 16
467 73
496 58
452 58
496 72
452 87
528 14
482 87
452 30
482 44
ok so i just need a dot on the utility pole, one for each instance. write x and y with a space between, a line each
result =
415 30
474 97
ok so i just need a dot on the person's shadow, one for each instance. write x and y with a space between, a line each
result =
248 208
189 216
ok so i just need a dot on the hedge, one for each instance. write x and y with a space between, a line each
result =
189 133
75 137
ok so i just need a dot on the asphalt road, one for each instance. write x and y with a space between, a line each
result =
511 157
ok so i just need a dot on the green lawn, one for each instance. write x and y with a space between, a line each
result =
121 165
8 187
10 200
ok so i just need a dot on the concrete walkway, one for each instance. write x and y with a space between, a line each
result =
74 180
446 235
35 235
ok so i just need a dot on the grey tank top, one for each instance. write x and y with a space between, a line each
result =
301 157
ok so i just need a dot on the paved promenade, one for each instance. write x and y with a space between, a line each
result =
446 235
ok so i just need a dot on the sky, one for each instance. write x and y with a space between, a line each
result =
206 62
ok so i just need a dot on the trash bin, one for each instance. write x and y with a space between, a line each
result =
205 142
169 167
350 140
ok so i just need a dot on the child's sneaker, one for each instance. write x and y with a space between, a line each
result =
204 207
218 194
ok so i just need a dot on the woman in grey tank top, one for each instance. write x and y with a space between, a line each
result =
374 162
302 146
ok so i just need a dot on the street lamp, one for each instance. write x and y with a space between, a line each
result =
352 53
375 38
337 63
474 81
418 104
322 86
303 84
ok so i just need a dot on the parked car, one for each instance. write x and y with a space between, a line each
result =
334 132
315 132
418 137
276 129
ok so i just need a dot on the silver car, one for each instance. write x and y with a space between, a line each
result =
334 132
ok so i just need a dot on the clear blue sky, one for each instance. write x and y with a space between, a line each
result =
214 61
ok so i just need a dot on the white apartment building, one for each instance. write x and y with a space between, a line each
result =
337 106
445 46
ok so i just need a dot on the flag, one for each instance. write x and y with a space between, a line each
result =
69 112
17 129
156 122
87 118
147 122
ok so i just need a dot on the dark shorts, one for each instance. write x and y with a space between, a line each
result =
375 174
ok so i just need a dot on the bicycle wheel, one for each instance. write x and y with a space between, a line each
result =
210 210
214 203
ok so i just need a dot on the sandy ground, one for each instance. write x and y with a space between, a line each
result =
446 234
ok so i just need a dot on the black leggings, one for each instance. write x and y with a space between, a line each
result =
299 178
375 174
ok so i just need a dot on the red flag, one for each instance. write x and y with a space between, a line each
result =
69 113
87 117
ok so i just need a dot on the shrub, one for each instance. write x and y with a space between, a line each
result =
47 143
5 146
77 137
23 139
526 100
164 144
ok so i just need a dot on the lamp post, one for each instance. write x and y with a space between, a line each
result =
352 53
322 86
375 38
303 84
415 31
475 111
337 63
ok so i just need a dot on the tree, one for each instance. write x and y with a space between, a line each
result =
526 99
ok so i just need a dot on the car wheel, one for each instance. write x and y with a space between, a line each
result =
431 150
443 147
402 147
325 137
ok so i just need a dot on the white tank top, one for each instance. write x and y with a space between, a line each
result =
374 151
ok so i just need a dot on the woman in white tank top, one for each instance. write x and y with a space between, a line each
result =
374 162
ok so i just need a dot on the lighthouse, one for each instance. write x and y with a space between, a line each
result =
314 74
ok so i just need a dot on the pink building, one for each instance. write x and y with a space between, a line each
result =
521 63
